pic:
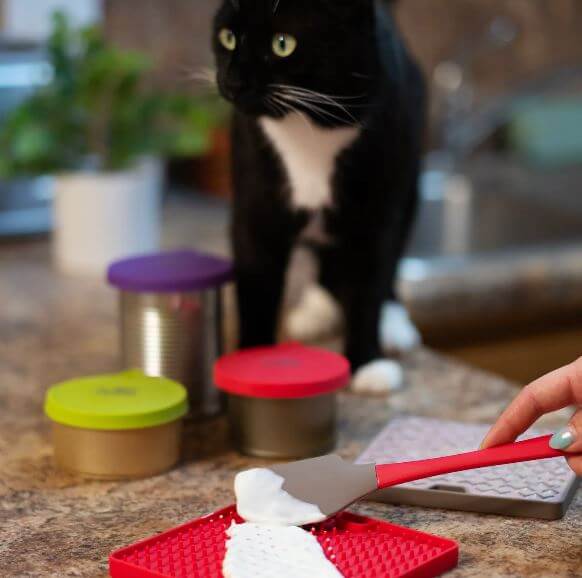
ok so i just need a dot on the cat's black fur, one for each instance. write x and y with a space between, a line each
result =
349 48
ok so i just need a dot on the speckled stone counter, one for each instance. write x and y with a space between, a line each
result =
55 525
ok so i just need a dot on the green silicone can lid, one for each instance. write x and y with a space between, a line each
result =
124 401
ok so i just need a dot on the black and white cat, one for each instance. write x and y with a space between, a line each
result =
327 131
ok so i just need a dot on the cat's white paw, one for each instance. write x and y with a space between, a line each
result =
378 377
397 332
317 316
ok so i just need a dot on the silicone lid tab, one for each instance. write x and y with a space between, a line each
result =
128 400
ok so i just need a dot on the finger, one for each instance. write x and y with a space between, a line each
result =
569 439
576 464
551 392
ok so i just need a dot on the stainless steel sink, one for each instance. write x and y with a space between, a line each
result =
496 248
502 207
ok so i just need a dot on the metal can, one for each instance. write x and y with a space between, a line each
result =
282 400
117 426
171 319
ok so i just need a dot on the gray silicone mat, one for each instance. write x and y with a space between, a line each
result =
541 489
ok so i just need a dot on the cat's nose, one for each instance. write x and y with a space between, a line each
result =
234 87
234 80
240 91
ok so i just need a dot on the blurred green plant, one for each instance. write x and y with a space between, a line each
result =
98 110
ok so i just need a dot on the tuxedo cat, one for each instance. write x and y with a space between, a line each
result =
327 131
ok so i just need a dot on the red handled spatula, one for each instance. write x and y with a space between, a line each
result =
333 484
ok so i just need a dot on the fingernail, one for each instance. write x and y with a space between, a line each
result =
563 439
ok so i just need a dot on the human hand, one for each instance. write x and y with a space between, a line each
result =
554 391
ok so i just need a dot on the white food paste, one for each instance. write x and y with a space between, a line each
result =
260 498
259 551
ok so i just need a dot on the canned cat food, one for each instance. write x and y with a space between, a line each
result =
117 426
282 400
171 319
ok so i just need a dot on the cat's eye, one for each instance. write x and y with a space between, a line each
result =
284 45
227 38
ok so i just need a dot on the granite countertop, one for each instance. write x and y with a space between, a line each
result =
55 525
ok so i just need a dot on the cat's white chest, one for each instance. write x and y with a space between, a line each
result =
309 154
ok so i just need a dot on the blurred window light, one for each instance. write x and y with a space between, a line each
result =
25 75
31 19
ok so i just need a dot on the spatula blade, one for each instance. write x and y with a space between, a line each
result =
329 482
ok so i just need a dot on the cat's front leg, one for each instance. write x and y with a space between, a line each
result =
373 373
260 263
360 278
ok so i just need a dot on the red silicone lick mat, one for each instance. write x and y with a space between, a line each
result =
541 489
359 547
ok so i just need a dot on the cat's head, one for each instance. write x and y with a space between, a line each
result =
273 55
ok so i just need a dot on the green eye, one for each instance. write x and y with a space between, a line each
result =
284 45
227 39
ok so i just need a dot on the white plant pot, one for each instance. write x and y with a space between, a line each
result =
102 217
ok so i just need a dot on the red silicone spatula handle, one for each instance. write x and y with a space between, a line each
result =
400 473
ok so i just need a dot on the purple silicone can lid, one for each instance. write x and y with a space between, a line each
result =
168 272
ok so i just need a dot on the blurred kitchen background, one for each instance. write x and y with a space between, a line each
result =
494 271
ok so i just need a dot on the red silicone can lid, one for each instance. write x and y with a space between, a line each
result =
289 371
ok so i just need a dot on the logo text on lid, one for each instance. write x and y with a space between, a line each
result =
119 391
281 362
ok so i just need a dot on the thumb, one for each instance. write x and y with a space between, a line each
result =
569 439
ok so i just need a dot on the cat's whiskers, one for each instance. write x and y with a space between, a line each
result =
278 103
288 107
290 87
206 75
294 98
278 107
331 102
322 98
317 99
301 100
320 105
315 108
